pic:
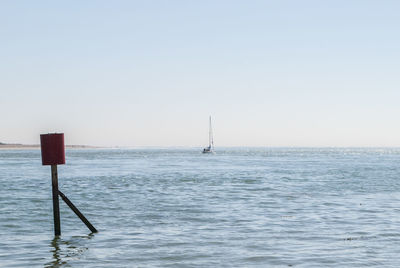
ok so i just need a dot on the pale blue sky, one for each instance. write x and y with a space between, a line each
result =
149 73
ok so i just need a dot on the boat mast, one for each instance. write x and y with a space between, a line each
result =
210 136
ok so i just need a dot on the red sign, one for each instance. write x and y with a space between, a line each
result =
53 149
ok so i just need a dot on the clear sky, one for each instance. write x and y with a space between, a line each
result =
149 73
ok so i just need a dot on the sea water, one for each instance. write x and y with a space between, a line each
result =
240 207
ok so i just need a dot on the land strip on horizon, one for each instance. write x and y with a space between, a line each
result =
37 146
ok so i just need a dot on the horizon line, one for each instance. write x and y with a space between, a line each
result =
85 146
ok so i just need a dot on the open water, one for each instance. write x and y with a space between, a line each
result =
257 207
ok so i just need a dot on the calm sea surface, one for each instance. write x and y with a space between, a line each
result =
179 208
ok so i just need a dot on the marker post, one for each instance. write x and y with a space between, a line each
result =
53 154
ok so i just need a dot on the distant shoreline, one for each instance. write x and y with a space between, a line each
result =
6 146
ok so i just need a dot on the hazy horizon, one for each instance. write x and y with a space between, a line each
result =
94 146
140 74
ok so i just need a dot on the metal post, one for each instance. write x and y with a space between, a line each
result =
56 207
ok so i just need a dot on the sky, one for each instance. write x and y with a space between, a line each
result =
149 73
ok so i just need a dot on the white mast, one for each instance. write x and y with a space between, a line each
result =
210 147
210 136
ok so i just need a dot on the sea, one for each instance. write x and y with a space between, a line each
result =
177 207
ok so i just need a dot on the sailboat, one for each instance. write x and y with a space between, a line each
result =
210 148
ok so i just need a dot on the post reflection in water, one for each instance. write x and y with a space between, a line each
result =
65 251
57 261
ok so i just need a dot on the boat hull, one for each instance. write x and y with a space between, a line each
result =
207 150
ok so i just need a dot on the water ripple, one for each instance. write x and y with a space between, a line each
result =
258 207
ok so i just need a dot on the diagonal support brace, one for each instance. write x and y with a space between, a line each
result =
77 212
